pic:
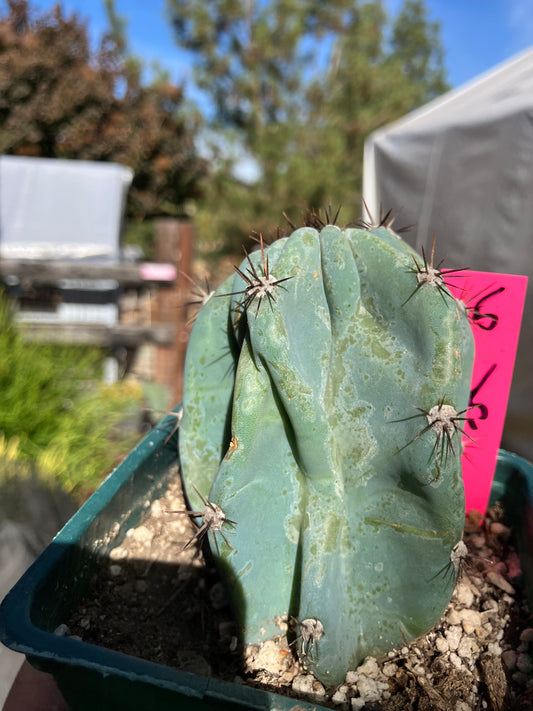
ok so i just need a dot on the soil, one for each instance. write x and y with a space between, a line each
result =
160 599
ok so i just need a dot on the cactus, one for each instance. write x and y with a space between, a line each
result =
325 387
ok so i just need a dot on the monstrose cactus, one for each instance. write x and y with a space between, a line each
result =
325 387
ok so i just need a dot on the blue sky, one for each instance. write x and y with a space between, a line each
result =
476 34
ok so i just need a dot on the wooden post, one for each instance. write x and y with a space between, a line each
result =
174 241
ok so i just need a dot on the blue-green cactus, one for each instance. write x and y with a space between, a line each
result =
325 384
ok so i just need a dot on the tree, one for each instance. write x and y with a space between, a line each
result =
369 84
60 100
298 85
417 45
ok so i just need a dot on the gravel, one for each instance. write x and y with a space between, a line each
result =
155 600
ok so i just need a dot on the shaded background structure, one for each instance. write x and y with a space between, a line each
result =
461 168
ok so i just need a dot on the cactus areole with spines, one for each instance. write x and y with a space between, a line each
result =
327 421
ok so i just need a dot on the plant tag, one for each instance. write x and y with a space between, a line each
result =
152 271
495 303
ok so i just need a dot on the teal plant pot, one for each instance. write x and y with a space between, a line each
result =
93 677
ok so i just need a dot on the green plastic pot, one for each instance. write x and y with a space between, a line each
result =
92 677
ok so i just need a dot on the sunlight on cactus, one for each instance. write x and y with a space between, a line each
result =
298 422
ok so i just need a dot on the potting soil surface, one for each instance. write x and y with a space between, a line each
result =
160 599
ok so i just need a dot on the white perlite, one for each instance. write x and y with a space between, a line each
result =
465 656
468 642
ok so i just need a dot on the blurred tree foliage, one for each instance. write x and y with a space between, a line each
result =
295 86
59 99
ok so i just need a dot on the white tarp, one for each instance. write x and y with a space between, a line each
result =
61 209
461 168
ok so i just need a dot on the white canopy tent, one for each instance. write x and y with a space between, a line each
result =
461 168
61 209
70 211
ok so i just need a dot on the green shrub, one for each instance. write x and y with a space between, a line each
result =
56 410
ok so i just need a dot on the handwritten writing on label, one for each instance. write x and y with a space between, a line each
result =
495 303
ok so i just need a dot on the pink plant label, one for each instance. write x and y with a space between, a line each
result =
152 271
495 303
